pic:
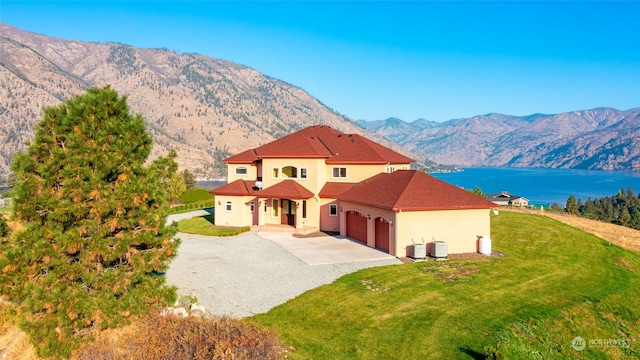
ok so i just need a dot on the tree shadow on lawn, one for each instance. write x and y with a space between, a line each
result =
474 354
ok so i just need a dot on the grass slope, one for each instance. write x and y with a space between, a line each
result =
203 225
556 283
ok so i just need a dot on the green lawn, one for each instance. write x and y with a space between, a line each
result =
554 284
203 225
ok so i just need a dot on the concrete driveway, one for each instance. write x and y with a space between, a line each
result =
325 249
253 272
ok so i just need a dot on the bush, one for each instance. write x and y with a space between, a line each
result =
169 337
4 228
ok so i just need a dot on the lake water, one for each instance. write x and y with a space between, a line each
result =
539 186
545 186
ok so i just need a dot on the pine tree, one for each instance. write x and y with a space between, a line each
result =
572 206
95 244
189 179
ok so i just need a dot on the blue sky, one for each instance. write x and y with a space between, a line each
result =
374 59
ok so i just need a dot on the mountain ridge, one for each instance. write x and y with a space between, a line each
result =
205 108
601 138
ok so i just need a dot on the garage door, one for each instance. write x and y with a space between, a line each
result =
357 226
382 235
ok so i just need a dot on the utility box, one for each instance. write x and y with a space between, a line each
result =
439 250
419 251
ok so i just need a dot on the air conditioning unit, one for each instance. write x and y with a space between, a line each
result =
418 251
439 250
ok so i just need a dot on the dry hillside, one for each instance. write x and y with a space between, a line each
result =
206 108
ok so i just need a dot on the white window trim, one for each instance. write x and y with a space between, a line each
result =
339 177
333 206
252 206
246 171
228 206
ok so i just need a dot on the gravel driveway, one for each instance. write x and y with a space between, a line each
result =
247 274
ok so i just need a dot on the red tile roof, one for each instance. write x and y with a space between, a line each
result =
287 189
411 190
321 141
332 189
235 188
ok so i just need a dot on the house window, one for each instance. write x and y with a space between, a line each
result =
275 173
241 171
290 172
339 172
252 206
303 173
333 210
265 206
274 207
391 169
304 209
227 206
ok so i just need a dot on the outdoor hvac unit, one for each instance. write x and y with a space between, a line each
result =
418 251
439 250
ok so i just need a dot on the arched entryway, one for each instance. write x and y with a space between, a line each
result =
357 226
382 234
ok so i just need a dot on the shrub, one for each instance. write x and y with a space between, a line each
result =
169 337
4 228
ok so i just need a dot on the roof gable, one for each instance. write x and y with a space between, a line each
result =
333 189
411 190
321 141
235 188
287 189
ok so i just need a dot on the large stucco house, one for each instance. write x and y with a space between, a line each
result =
319 178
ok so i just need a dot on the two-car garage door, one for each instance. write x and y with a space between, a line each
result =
357 230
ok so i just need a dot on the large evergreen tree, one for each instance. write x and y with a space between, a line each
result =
95 244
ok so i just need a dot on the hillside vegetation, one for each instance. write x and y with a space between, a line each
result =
205 108
554 284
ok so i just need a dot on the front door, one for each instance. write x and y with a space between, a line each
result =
288 212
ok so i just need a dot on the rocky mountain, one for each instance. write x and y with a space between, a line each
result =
603 138
203 107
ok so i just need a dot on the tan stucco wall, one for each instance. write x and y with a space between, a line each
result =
357 173
315 172
458 228
240 214
252 172
328 222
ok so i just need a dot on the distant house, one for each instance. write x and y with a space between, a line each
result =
504 198
321 179
5 202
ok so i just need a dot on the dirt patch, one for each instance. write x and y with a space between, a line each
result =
317 234
616 234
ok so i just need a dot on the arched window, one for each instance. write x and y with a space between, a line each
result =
290 172
227 206
252 206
